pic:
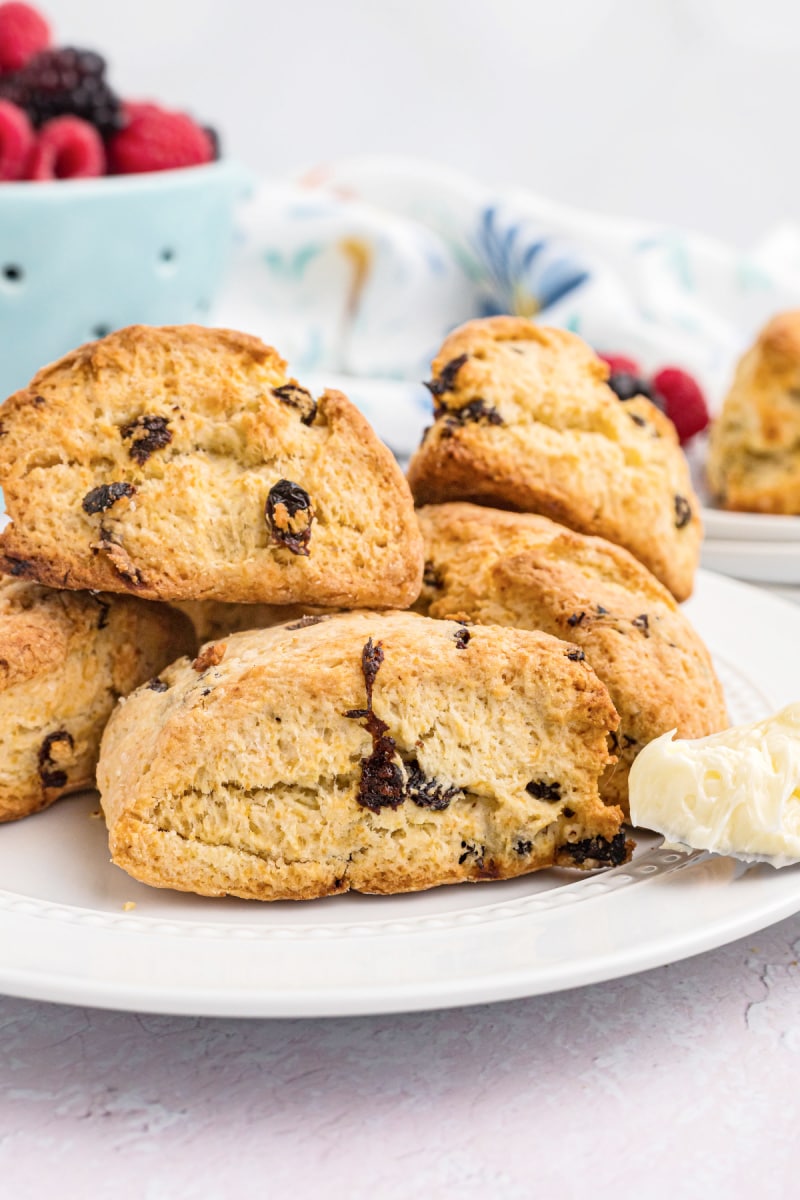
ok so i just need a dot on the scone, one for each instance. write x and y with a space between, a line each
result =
379 752
65 658
501 568
182 463
524 420
754 451
213 619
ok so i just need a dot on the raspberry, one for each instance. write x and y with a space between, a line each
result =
65 81
23 33
620 364
67 148
16 141
685 404
157 140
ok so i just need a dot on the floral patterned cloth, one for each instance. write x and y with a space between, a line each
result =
358 271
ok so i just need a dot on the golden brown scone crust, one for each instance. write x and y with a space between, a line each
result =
754 452
65 658
501 568
195 427
255 774
526 421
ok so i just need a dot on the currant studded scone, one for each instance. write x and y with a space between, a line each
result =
501 568
754 453
525 420
379 752
182 463
65 658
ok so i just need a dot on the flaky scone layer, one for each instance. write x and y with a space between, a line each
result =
525 421
65 659
754 451
380 752
525 571
182 463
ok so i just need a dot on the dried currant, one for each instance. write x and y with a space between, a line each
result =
598 849
431 576
382 783
642 622
462 637
428 793
576 655
471 850
576 619
157 685
308 620
289 514
683 512
149 433
297 397
541 790
446 379
523 847
479 411
101 498
51 755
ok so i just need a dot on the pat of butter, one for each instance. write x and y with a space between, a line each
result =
735 792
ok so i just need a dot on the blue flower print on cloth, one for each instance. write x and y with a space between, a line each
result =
360 270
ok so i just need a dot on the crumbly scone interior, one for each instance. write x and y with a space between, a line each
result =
498 772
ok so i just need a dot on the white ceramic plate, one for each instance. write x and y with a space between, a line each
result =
65 935
759 562
721 526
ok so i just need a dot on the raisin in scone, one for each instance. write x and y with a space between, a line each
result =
65 658
501 568
182 463
754 452
378 752
525 420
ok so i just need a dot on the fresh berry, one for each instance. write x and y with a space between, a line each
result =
23 33
627 386
684 402
67 148
216 144
16 141
620 364
156 140
67 81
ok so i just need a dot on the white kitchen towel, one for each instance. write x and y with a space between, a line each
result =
358 271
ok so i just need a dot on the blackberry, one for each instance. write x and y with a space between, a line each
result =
69 80
627 386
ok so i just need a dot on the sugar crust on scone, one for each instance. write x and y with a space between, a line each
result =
526 421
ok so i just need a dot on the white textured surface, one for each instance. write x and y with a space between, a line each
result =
680 1082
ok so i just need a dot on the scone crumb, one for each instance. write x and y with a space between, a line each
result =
210 656
129 906
96 814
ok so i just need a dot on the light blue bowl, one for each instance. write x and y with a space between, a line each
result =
79 258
